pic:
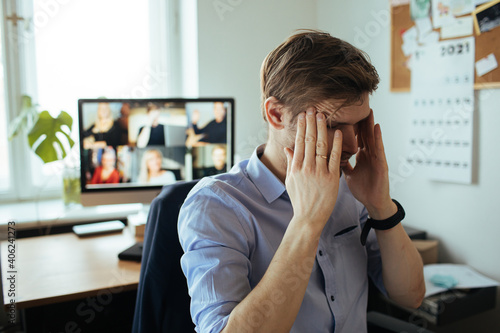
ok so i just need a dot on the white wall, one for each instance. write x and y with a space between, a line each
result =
232 45
234 38
462 217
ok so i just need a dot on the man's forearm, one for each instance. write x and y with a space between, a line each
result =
143 137
278 296
402 267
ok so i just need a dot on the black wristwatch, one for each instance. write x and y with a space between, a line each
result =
382 224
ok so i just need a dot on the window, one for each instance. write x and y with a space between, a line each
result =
67 50
5 178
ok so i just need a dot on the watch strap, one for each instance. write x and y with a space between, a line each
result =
386 224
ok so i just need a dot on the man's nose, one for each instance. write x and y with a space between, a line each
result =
349 142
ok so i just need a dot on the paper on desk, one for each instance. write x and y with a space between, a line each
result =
465 275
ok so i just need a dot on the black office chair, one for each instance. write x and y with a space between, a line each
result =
162 298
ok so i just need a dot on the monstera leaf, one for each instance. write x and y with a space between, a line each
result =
43 138
26 118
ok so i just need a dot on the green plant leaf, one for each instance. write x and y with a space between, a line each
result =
42 136
27 116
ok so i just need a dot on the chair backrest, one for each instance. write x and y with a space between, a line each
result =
162 297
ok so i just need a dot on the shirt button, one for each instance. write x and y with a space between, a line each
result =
332 298
320 252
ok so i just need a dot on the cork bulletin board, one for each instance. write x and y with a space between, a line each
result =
486 43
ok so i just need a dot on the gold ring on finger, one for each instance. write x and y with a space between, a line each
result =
322 156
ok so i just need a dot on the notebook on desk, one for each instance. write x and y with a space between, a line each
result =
133 253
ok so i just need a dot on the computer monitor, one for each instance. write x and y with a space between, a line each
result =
131 148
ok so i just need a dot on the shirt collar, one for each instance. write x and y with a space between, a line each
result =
266 182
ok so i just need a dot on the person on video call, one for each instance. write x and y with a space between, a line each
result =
153 133
215 130
151 171
123 121
106 173
219 161
274 244
105 131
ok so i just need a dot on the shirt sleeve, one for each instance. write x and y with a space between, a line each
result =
373 252
88 132
216 256
198 130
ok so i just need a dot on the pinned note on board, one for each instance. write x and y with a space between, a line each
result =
486 64
461 27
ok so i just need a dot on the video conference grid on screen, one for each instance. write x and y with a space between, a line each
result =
127 143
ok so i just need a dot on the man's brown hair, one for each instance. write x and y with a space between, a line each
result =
311 67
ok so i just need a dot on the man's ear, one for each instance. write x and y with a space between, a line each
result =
275 113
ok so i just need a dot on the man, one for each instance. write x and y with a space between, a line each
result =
215 130
274 244
153 133
219 159
219 163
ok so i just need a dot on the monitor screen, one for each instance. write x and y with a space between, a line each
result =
130 148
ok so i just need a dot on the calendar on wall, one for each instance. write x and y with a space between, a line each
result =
442 110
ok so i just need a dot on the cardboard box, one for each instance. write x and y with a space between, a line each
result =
415 233
137 223
139 230
428 249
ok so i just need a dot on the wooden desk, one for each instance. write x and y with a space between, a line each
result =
59 268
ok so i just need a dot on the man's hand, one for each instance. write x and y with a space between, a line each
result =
193 139
369 179
312 179
195 117
152 117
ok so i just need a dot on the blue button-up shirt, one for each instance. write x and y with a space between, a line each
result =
230 227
